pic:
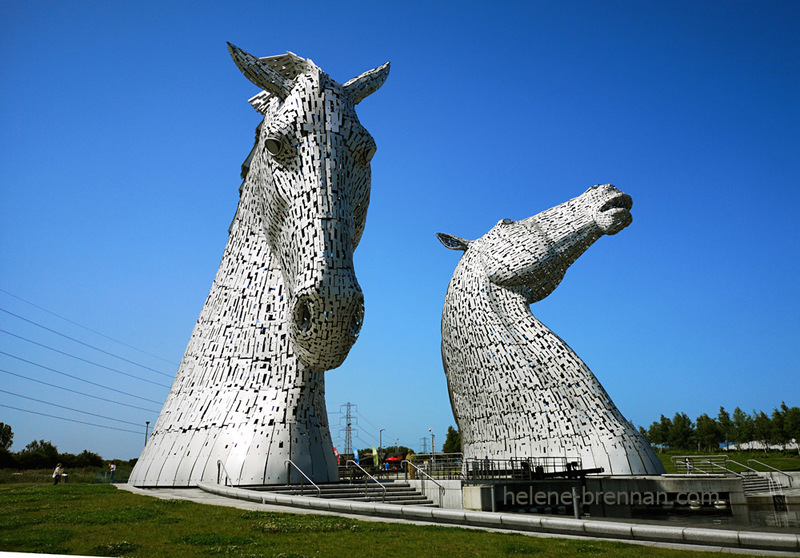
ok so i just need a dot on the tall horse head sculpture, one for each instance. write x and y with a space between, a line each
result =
517 389
285 305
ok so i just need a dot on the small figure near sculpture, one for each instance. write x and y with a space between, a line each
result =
57 474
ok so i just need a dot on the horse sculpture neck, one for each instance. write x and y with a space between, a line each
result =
240 390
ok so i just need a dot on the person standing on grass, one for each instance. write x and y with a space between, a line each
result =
57 474
112 467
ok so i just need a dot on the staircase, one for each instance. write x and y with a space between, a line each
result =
398 493
753 483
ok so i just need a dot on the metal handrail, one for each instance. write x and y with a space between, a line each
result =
349 461
221 465
688 464
691 463
698 470
742 465
293 464
723 468
773 468
523 468
441 465
774 487
441 488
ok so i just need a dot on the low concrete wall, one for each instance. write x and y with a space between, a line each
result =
613 496
452 492
526 522
705 488
788 479
477 497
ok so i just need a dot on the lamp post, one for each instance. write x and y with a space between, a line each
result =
146 427
433 441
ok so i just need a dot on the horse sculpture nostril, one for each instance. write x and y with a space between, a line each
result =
302 316
357 320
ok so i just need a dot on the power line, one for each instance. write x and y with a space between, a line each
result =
368 432
76 391
388 434
363 441
82 359
79 379
67 408
87 328
353 420
338 440
70 420
368 422
85 344
372 433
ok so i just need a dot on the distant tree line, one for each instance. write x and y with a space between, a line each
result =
452 444
365 455
707 433
41 455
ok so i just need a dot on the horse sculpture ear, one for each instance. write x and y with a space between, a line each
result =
366 84
260 73
453 242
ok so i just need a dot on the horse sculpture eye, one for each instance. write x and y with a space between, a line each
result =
368 154
274 145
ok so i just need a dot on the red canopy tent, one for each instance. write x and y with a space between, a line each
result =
394 460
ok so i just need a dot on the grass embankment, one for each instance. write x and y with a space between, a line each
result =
74 474
101 520
784 461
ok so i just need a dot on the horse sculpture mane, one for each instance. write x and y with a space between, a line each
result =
285 305
516 388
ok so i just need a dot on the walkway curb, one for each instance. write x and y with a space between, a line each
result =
564 526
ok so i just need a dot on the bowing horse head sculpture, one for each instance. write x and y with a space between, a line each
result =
310 172
517 389
248 401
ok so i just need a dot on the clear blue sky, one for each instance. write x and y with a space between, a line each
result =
123 126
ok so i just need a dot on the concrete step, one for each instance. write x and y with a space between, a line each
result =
372 497
331 486
348 492
420 500
398 493
755 484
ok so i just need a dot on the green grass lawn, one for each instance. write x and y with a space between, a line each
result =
101 520
784 461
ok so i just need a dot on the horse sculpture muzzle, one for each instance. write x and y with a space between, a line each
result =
612 208
325 323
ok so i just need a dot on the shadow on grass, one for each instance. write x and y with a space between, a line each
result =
39 540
